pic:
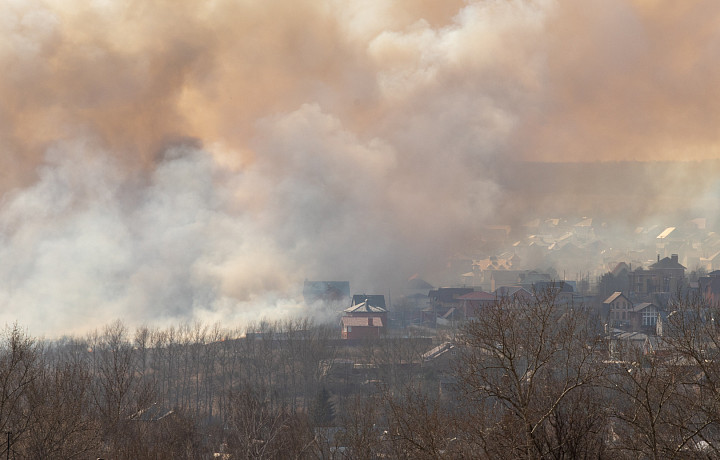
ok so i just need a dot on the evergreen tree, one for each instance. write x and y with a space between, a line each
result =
323 412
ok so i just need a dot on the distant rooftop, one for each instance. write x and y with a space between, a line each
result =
666 233
363 303
667 263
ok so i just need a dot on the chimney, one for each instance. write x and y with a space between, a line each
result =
370 321
674 258
658 257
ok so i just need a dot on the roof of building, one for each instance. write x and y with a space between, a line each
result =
665 233
417 283
613 297
587 222
445 294
619 268
632 336
513 291
477 295
667 263
362 321
438 351
363 303
153 413
643 306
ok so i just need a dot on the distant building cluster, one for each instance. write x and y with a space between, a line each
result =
628 281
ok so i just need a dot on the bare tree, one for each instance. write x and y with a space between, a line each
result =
117 390
259 430
360 437
19 367
63 424
521 363
420 426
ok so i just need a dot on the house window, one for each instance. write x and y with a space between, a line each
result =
649 317
349 328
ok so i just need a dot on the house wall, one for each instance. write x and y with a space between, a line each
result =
361 332
473 308
620 312
368 314
657 280
364 332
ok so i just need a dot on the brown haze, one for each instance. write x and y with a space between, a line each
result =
198 160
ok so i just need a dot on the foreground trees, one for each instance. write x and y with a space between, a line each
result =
530 378
527 366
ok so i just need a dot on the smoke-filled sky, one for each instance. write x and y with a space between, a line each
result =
182 160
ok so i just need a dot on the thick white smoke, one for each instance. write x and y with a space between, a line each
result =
179 160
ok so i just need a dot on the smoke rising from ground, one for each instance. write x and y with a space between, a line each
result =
198 160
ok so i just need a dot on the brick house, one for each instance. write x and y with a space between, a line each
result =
473 303
366 318
617 307
667 275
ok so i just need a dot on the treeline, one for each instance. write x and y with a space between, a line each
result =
528 379
189 391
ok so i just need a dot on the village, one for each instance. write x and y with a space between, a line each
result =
629 283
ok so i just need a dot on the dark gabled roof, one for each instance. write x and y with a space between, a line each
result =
667 263
417 284
363 303
448 294
643 306
619 268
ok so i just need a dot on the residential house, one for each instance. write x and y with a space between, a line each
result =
667 275
366 318
416 285
616 309
710 288
473 303
442 300
643 317
711 262
517 293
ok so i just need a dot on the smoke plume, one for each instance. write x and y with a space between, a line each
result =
180 160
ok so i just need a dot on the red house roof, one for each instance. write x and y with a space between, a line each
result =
478 295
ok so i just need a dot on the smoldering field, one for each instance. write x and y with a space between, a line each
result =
177 161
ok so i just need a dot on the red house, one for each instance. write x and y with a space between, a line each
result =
473 303
366 318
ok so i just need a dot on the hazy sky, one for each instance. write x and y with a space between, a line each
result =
179 160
